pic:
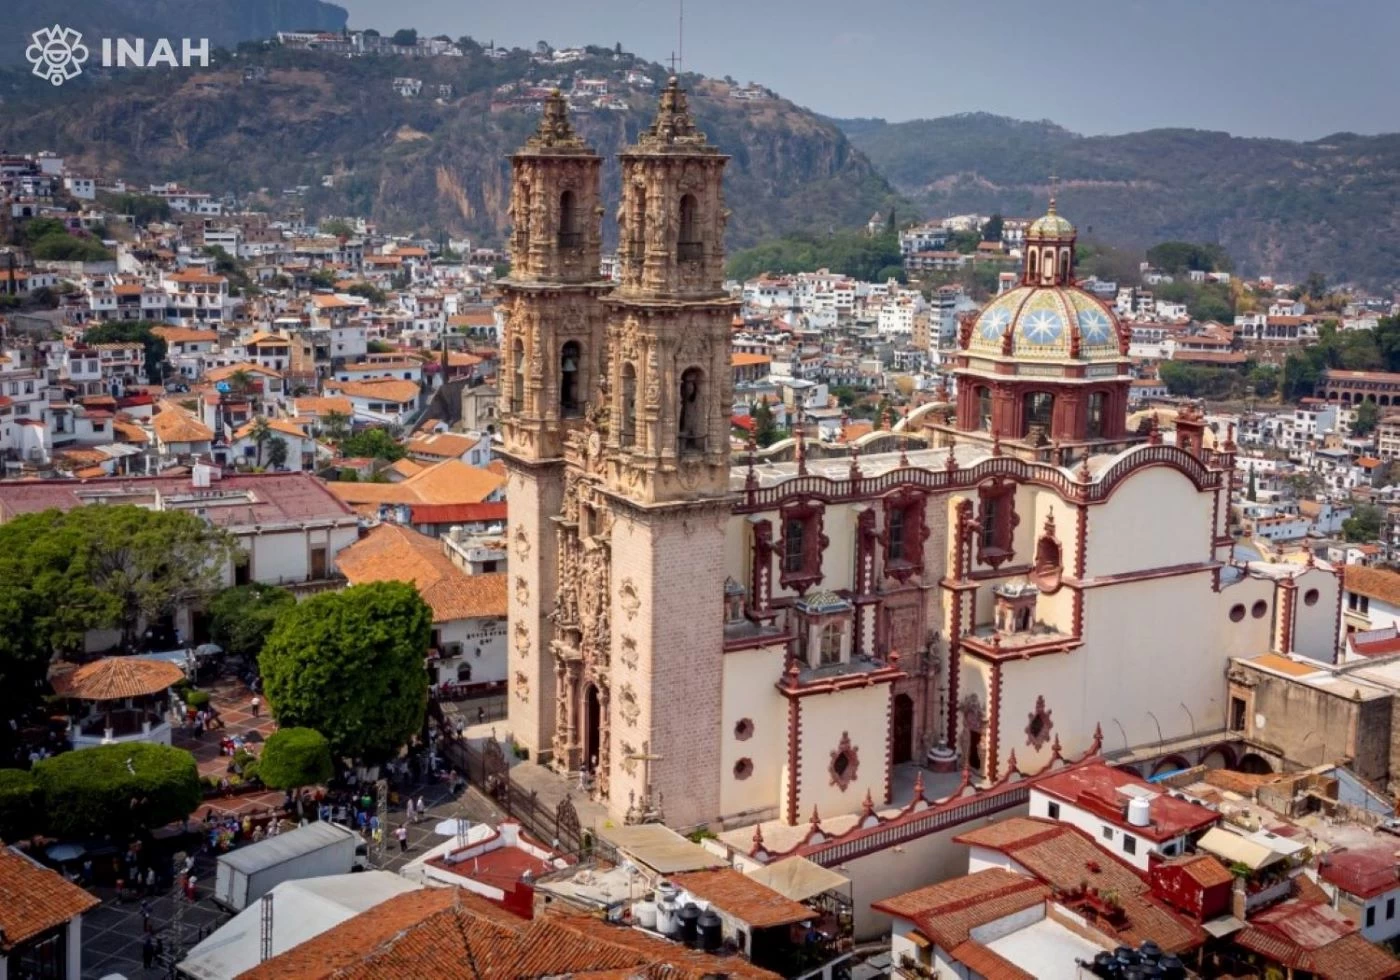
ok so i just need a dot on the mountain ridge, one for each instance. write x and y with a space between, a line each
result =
1253 195
265 120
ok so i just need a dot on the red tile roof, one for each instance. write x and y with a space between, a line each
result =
988 963
457 513
1101 788
34 899
740 896
948 911
1065 858
452 934
1364 873
1313 937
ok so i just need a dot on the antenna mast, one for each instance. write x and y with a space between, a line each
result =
680 36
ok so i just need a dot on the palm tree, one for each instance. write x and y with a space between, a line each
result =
241 381
336 426
277 452
260 433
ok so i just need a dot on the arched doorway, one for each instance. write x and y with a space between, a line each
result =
592 727
1255 764
902 729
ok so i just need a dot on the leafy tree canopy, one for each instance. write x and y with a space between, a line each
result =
852 253
19 804
116 789
766 431
132 332
405 37
242 617
1200 380
1367 415
1175 258
350 665
1364 524
295 757
373 444
991 231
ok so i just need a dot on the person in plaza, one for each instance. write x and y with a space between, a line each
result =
148 951
422 810
402 835
409 811
151 880
257 703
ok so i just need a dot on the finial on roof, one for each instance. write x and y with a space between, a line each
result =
757 837
555 129
673 124
816 817
801 436
919 784
867 805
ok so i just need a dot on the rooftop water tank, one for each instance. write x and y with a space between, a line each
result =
711 931
1139 813
644 914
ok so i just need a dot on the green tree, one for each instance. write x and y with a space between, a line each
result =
116 789
338 227
1315 286
1364 524
277 452
242 617
405 37
1175 258
133 332
766 431
322 279
336 426
19 804
965 242
1252 493
1367 415
369 292
1264 379
373 443
350 665
295 757
991 231
260 432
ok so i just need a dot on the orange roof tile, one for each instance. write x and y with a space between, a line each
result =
112 678
449 482
385 389
948 911
393 553
34 899
176 425
1375 583
740 896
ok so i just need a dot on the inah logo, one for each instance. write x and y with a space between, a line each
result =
57 53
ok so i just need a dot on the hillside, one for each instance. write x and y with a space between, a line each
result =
1277 206
224 22
277 119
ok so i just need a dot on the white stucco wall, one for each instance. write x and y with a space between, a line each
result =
863 714
1126 533
749 676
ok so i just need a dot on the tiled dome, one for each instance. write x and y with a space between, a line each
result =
1048 323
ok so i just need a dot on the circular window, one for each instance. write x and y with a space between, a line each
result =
1259 609
743 729
1310 597
1237 612
743 769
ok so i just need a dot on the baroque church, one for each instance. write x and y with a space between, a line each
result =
1010 575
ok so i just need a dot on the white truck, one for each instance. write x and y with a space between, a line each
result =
318 849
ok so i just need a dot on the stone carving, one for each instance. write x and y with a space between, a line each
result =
845 763
628 599
522 639
522 687
629 757
628 655
627 704
522 543
1038 724
522 590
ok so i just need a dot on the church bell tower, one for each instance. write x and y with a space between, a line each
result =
553 348
665 471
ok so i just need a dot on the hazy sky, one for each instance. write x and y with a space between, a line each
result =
1293 68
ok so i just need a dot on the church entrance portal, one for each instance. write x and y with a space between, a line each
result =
902 728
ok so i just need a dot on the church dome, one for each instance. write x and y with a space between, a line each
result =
1047 323
1050 225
